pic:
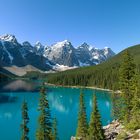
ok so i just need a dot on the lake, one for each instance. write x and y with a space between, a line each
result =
63 104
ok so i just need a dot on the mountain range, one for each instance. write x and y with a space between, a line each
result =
60 56
104 75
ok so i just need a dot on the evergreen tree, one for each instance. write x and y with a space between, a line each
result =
82 119
25 121
95 127
135 112
127 73
117 104
54 130
44 130
126 106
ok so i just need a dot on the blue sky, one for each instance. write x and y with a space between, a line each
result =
112 23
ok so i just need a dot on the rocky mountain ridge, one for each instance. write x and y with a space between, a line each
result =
49 57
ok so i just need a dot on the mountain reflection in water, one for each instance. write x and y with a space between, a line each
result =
63 102
7 99
20 85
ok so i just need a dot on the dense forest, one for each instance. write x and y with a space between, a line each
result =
104 75
47 126
126 109
5 75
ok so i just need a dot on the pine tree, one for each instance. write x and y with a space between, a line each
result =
117 104
25 121
44 130
82 128
135 112
95 127
54 130
126 106
127 72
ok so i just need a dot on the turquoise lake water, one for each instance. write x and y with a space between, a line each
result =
63 103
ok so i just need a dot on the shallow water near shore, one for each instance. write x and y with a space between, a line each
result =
63 104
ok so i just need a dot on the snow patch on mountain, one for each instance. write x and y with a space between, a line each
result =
59 56
58 67
61 44
9 55
9 38
83 64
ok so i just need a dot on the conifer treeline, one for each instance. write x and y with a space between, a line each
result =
3 77
105 75
102 77
82 128
126 108
44 121
25 121
127 103
47 129
93 130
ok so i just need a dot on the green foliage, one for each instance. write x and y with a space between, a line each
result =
127 73
34 75
54 130
82 128
3 77
44 130
95 127
105 75
116 105
136 136
25 121
135 101
6 75
126 106
122 136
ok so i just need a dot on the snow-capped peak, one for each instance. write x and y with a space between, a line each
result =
38 45
106 48
108 52
8 37
84 45
26 43
62 43
61 53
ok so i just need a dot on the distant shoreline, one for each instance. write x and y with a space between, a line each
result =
87 87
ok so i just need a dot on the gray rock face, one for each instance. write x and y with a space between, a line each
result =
101 55
46 57
112 130
115 129
63 53
83 54
39 48
13 53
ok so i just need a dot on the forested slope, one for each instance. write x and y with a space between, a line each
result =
104 75
5 75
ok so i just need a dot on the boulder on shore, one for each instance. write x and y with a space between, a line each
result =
114 129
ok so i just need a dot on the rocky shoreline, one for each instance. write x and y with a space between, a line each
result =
112 130
87 87
116 131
